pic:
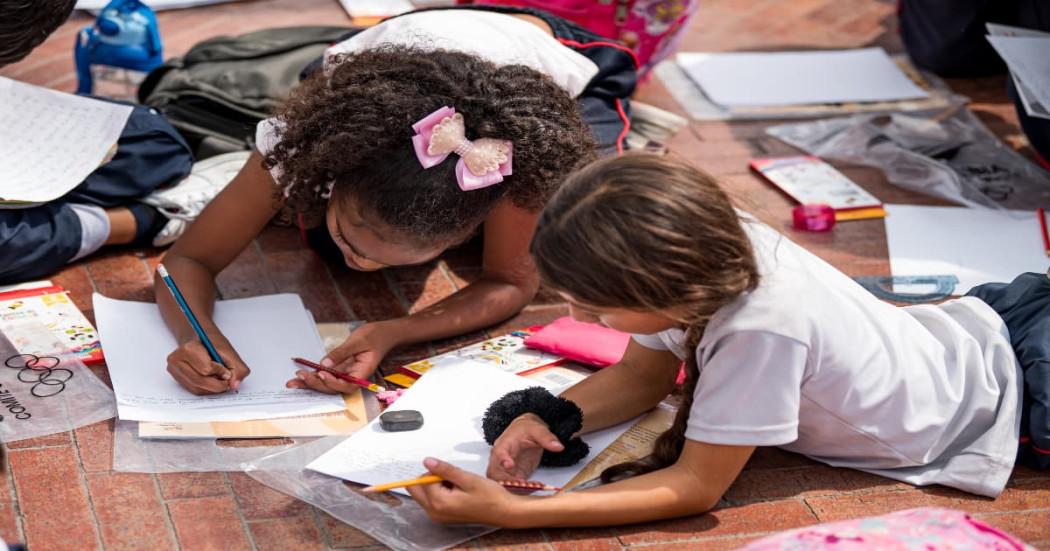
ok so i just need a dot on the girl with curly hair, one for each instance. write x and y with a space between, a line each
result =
412 136
780 349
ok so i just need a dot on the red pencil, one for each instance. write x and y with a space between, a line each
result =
1042 225
339 375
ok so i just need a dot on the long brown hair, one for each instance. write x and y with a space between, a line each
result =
647 233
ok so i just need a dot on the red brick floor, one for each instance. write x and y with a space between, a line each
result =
59 492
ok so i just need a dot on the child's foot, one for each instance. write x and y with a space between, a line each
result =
183 202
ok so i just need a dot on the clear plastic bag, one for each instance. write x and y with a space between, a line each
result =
952 157
393 520
144 455
44 389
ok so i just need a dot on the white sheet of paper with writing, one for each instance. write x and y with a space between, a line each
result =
266 331
51 140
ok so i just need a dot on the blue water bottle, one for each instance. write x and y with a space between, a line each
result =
116 53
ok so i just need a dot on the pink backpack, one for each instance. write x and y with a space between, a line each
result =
652 28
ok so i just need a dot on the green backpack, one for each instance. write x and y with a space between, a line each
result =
222 87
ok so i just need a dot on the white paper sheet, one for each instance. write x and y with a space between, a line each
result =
1029 62
452 398
1031 106
267 332
51 140
798 78
376 8
976 245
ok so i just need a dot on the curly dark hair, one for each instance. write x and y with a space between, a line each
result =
24 24
350 130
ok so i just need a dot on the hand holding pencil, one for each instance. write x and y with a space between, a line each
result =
467 497
203 364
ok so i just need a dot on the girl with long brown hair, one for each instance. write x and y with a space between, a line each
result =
781 349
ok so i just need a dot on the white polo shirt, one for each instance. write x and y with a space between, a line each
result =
812 362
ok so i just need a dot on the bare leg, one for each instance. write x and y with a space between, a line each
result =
122 226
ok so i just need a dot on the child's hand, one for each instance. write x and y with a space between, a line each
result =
194 369
359 355
517 452
471 499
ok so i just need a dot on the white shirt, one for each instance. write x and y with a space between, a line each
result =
812 362
499 38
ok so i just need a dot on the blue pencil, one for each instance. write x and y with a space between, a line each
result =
189 314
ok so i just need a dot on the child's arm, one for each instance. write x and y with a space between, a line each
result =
691 486
508 282
225 227
615 394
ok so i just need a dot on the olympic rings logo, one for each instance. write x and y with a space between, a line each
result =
42 372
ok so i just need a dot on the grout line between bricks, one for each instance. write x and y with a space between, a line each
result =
240 514
87 494
168 523
13 495
343 301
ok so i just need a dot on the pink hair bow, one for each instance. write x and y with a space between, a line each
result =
482 162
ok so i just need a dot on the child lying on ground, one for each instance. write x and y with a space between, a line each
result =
781 350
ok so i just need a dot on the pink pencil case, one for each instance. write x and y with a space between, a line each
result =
586 343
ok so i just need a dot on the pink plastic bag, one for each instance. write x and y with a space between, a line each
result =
651 28
913 529
586 343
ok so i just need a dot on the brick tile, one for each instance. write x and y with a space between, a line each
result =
49 441
517 540
121 276
9 531
95 445
209 523
303 272
731 521
129 512
1025 495
188 485
1030 526
576 539
52 499
707 544
297 533
369 294
246 276
764 484
422 294
260 502
340 535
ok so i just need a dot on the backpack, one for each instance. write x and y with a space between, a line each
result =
652 28
217 93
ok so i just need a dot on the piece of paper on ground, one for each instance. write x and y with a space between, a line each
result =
798 78
453 399
51 140
976 245
1029 64
266 331
376 8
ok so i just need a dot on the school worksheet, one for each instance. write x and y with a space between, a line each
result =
453 399
266 331
51 141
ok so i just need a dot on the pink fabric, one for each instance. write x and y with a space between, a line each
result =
913 529
468 181
586 343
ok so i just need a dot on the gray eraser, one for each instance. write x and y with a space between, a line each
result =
401 420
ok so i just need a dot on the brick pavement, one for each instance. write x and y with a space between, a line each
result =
59 492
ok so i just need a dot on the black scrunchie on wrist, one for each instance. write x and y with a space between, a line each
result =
562 416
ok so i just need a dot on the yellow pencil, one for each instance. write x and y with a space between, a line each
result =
526 485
